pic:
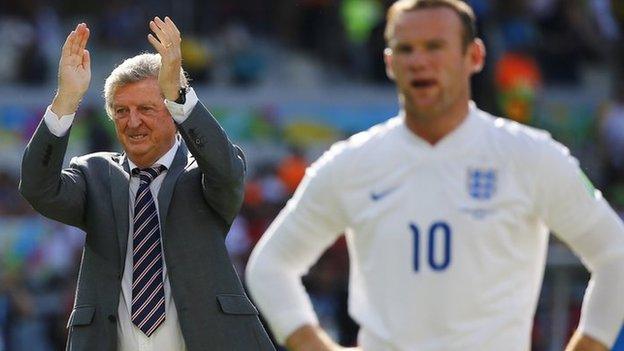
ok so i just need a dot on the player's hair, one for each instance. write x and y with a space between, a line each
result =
463 10
132 70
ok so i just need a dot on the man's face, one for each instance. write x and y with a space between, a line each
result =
143 124
428 62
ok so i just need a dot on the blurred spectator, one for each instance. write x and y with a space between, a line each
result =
517 74
518 79
16 36
612 133
98 129
245 64
617 7
122 25
11 203
198 60
239 244
569 36
359 18
292 169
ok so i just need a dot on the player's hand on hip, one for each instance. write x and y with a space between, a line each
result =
580 342
313 338
166 40
74 73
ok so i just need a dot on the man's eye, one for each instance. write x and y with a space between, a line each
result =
403 49
435 46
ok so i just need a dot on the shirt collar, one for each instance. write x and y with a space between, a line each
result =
165 160
457 141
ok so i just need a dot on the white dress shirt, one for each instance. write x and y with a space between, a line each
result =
168 336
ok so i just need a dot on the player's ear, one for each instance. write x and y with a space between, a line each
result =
476 55
387 54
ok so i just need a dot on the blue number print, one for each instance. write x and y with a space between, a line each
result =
416 233
436 229
446 259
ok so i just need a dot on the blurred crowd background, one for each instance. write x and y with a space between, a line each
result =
286 78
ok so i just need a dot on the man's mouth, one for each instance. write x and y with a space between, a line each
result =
422 83
138 137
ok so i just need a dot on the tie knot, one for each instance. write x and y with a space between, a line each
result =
147 175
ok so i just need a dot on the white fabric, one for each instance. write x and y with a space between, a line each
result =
400 200
179 112
58 126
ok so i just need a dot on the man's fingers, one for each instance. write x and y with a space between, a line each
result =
66 50
160 34
155 43
161 24
172 25
84 38
86 60
75 48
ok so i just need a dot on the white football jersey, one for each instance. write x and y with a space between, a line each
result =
447 243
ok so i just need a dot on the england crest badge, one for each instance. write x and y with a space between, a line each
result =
482 183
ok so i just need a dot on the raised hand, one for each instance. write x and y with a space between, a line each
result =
74 74
167 42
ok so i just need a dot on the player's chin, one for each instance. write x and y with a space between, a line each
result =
425 102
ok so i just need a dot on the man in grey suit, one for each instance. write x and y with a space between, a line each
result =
155 274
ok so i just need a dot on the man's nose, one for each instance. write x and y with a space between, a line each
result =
134 120
418 59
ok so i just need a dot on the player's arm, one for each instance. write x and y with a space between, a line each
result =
307 225
580 217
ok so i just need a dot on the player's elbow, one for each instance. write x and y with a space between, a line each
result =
262 268
255 272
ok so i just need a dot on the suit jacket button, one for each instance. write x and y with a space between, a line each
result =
197 141
112 318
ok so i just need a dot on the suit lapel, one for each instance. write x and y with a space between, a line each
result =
120 183
166 189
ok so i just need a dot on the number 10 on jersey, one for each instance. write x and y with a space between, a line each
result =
435 245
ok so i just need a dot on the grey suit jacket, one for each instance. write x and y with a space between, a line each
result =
198 200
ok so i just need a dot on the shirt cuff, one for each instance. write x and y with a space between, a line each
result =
58 126
180 112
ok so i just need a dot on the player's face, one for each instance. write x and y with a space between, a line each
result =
428 62
143 124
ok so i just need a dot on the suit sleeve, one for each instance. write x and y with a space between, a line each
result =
309 223
580 216
57 193
221 162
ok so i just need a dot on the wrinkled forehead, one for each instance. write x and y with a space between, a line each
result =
436 23
141 92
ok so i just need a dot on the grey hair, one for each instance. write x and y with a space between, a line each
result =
132 70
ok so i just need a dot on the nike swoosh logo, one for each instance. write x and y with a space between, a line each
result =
380 195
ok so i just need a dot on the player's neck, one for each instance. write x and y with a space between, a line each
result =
434 127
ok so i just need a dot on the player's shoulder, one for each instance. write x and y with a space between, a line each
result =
368 140
360 147
516 138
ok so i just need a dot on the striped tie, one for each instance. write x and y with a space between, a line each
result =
148 293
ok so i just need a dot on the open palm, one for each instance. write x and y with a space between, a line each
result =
74 73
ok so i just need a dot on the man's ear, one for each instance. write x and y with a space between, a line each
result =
476 53
387 55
